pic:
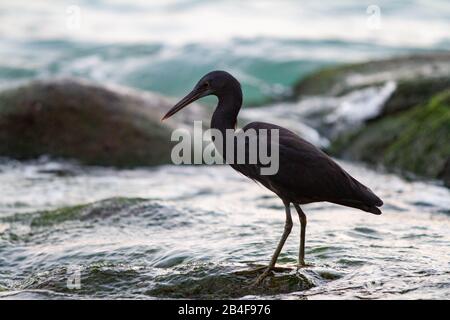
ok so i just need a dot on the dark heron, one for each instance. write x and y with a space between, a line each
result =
305 174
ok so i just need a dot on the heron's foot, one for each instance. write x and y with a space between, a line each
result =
267 272
262 276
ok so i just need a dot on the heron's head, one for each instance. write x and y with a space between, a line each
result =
215 83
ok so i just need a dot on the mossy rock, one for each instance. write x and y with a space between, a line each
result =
79 120
417 140
445 174
410 93
338 80
96 210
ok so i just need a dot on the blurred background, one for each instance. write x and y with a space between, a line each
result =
91 205
164 46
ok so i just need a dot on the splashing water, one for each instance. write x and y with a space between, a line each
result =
195 231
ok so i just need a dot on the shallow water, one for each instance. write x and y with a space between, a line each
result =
195 231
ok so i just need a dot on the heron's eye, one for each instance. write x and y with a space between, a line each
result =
206 85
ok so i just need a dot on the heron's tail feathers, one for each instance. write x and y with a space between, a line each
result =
359 205
364 198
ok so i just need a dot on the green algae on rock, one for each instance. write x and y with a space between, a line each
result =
96 210
416 140
338 80
411 132
410 93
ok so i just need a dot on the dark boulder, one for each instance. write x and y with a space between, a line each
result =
79 120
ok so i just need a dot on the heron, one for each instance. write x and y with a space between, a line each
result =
305 175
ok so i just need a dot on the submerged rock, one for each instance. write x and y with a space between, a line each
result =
79 120
98 210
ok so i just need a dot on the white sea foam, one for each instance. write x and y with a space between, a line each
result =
327 115
181 22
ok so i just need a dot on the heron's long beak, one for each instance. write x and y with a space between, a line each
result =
191 97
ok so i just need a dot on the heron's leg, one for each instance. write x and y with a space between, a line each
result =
286 232
301 252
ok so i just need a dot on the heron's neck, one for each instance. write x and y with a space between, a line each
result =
225 115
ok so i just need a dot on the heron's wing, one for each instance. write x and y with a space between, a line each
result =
308 174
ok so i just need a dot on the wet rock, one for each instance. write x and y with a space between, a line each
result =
410 131
75 119
445 174
416 140
153 211
225 285
411 93
97 210
342 79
